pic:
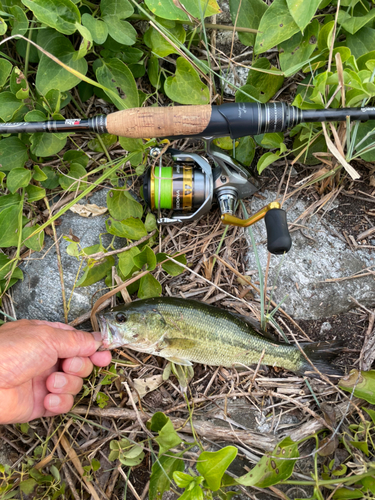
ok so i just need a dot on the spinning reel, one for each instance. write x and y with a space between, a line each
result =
190 185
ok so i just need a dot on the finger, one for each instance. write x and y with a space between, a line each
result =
54 324
62 383
71 343
81 367
102 358
58 403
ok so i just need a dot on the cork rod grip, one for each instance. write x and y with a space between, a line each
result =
139 123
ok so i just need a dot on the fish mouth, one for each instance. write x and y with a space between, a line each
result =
111 337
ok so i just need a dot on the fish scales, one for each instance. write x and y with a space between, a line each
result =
220 339
188 331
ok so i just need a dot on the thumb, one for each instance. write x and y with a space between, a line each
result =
69 343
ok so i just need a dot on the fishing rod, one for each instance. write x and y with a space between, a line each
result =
189 186
231 119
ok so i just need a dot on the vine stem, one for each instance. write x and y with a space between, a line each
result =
59 263
28 46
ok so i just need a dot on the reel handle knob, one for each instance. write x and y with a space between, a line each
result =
278 237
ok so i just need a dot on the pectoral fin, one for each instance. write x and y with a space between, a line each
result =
178 361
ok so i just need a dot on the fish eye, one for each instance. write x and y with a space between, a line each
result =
121 318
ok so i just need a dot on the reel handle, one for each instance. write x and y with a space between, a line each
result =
278 237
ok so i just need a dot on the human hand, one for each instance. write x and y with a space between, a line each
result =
41 368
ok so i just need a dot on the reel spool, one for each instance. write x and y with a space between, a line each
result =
189 185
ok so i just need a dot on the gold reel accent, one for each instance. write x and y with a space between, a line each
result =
231 220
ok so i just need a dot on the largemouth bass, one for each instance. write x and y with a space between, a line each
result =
187 331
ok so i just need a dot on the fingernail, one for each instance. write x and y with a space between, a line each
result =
59 382
54 400
76 365
98 338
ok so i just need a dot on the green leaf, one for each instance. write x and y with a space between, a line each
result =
168 10
325 36
303 11
35 242
70 181
169 266
343 493
145 258
38 174
283 26
181 479
162 473
130 228
117 8
9 200
9 226
113 13
224 143
266 160
114 73
51 75
361 445
5 268
96 272
3 26
19 22
121 205
17 178
150 222
126 262
28 486
351 23
13 154
97 28
5 69
107 139
371 413
158 44
362 42
213 464
296 51
52 180
53 98
44 144
363 129
185 87
34 193
18 84
102 399
35 116
157 422
271 140
62 15
273 466
168 438
249 16
148 287
245 151
369 484
153 71
260 84
9 104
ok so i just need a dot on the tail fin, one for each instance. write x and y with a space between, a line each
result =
320 354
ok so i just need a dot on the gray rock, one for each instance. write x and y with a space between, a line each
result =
236 76
39 295
326 327
312 260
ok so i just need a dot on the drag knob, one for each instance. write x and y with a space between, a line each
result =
278 237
